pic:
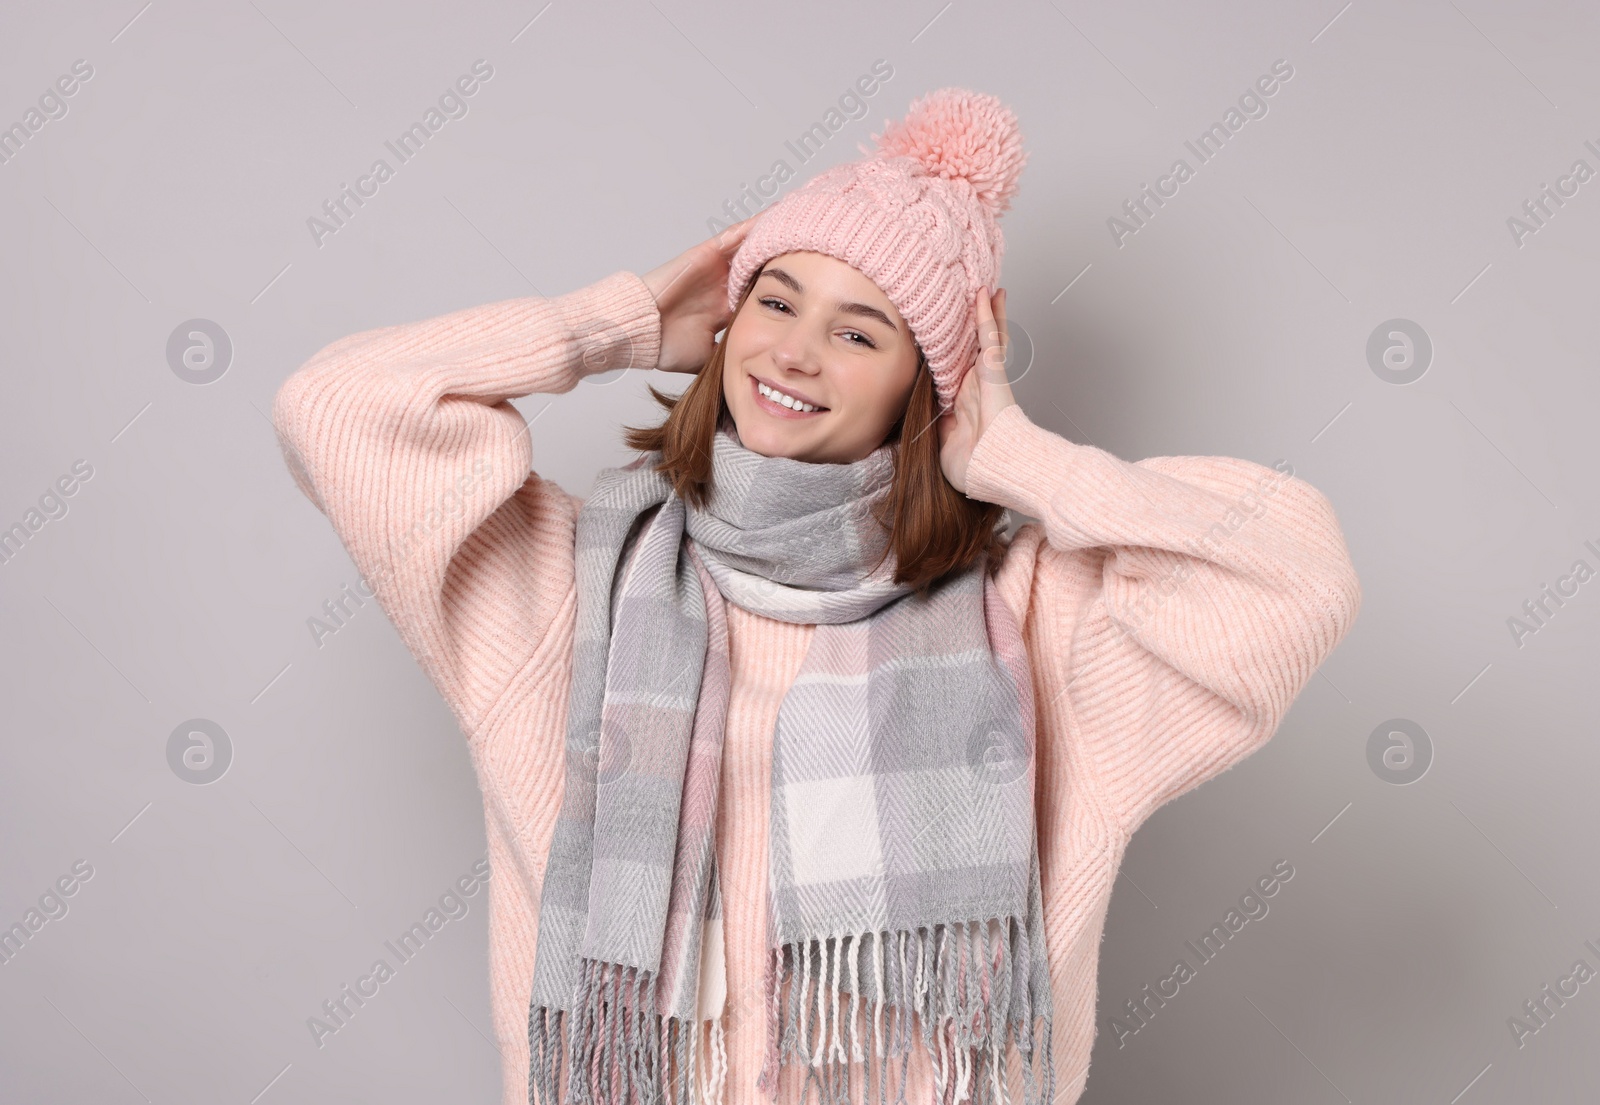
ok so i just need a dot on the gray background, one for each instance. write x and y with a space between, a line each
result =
179 582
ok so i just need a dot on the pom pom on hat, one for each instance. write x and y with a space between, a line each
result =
958 133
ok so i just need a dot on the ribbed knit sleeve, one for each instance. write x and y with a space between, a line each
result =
404 437
1215 586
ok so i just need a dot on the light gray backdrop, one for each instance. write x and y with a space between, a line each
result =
1338 285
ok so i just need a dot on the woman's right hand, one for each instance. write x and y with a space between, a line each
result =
691 292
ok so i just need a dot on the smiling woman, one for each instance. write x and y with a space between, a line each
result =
788 796
822 333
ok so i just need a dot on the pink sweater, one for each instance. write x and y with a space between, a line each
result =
1172 607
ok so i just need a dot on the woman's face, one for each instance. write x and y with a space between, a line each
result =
820 331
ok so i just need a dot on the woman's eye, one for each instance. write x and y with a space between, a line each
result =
866 341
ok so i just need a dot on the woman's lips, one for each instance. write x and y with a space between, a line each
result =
778 410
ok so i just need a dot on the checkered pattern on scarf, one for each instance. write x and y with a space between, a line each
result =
902 793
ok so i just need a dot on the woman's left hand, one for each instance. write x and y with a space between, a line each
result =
984 392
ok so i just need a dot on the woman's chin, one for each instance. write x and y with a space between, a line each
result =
773 440
770 445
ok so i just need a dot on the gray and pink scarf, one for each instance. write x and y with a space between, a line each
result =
903 864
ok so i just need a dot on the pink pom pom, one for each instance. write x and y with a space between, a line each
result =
955 132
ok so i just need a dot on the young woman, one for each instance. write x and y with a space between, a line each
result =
797 773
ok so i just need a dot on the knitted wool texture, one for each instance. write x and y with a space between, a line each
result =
919 217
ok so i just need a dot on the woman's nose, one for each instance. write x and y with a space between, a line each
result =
796 350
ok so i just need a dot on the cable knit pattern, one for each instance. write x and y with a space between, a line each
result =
1172 608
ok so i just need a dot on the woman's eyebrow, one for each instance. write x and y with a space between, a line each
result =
847 308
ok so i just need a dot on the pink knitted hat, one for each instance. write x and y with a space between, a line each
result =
918 217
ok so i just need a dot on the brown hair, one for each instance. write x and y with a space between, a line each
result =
934 529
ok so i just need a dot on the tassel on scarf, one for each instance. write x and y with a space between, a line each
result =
959 979
622 1052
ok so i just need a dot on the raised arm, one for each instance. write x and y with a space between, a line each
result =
404 437
1206 592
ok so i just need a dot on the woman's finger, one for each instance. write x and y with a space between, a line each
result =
990 352
729 239
968 397
1005 334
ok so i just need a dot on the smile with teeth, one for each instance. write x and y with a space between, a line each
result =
788 402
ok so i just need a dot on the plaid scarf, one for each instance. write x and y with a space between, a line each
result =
903 867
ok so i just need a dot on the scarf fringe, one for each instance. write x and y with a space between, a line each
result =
969 992
620 1050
